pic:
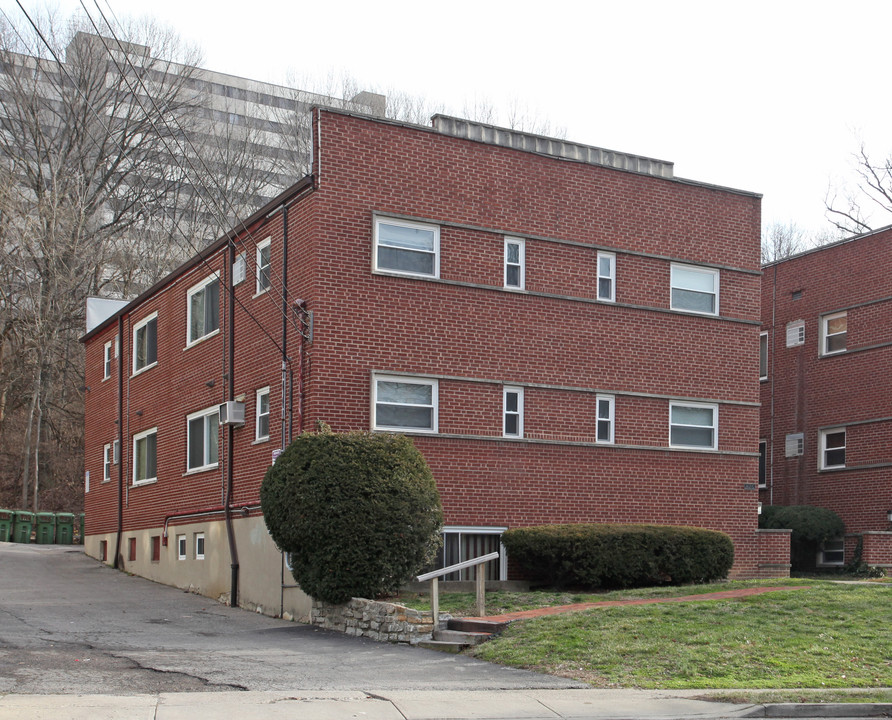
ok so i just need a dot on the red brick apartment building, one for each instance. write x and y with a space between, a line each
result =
826 360
568 335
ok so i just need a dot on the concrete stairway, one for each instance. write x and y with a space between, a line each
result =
461 633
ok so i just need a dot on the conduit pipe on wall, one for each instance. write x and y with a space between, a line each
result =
120 342
230 532
244 510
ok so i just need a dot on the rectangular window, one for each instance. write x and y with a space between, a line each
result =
407 247
832 552
403 403
794 445
763 463
513 412
695 289
103 550
514 263
833 448
181 547
263 266
467 543
201 429
763 356
107 361
203 309
116 452
156 548
145 343
262 429
606 276
693 425
132 549
833 333
238 269
795 333
107 461
199 546
605 419
145 453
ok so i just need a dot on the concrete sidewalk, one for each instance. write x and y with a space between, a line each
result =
414 705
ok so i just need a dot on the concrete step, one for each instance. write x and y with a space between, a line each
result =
442 646
475 625
459 636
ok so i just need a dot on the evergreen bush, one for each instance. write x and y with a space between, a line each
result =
619 556
811 526
358 512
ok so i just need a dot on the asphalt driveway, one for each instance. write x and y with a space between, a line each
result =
69 624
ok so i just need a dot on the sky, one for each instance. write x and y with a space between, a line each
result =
770 97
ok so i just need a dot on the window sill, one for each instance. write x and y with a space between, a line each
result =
835 352
193 343
396 273
198 470
260 441
140 483
259 293
143 369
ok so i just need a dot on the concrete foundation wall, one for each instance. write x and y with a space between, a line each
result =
260 564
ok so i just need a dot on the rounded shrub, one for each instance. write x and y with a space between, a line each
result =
619 556
811 526
359 513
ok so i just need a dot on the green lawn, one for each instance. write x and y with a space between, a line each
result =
828 635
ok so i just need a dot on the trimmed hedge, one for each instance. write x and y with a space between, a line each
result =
359 513
619 556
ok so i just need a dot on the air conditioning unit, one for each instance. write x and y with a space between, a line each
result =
232 412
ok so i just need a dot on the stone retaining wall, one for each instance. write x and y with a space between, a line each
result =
382 621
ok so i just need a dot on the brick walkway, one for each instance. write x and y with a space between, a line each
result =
558 609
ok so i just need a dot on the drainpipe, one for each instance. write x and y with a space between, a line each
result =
286 432
120 438
771 381
230 532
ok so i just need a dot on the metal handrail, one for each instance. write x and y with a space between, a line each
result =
435 575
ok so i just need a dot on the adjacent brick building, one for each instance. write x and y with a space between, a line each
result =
569 335
826 359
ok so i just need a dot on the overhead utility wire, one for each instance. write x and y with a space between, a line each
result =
220 212
198 252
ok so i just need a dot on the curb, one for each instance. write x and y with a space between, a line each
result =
820 710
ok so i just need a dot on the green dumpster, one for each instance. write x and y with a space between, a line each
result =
46 528
7 520
24 523
64 528
80 538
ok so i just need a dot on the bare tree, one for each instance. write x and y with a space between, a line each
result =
84 163
867 203
782 240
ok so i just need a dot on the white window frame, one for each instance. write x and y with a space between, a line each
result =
675 285
260 267
518 391
700 406
822 561
136 439
182 548
194 290
136 328
795 333
823 449
434 385
763 356
610 400
107 360
520 264
258 437
826 335
434 229
205 414
108 458
611 259
484 530
200 546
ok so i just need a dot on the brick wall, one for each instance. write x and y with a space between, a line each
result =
468 333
